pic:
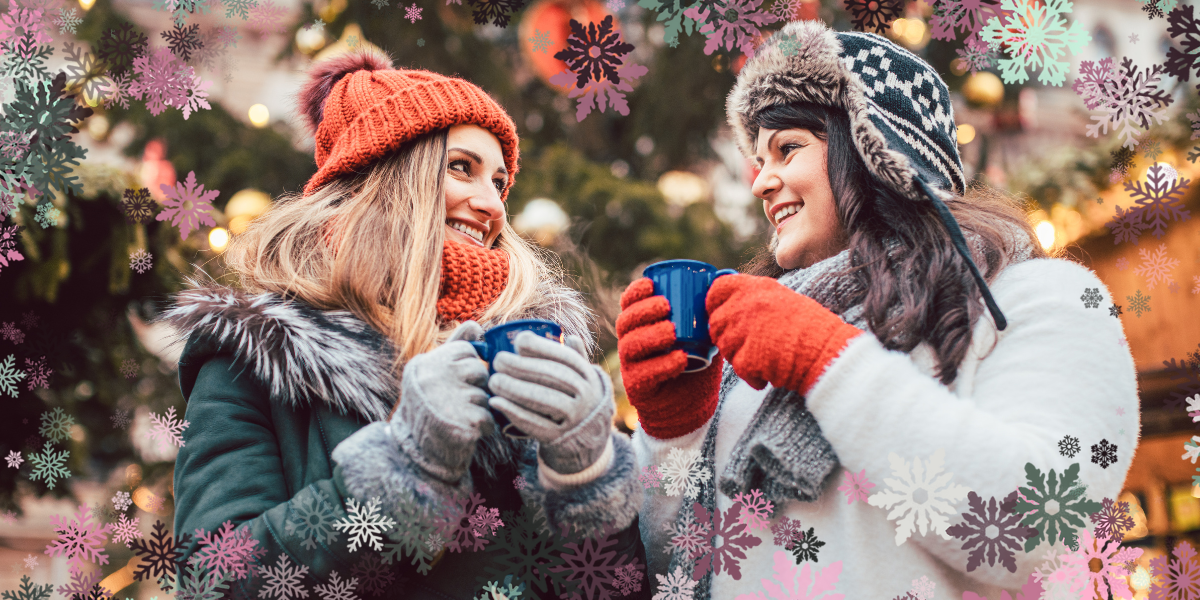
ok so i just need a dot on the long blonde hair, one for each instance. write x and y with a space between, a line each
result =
387 266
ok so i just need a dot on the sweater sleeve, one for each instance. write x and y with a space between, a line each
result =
1059 369
230 469
658 509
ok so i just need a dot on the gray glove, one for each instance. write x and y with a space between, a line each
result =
443 406
553 394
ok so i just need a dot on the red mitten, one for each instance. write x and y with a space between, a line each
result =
670 403
771 334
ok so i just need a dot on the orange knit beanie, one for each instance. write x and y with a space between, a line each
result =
360 109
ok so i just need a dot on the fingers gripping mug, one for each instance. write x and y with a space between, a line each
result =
685 284
500 339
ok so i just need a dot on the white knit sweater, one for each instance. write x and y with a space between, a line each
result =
1058 369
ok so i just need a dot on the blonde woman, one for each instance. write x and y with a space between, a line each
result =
338 381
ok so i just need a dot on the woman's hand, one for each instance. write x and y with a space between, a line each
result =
670 403
443 404
551 392
771 334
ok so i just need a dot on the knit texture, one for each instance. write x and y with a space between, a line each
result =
670 403
472 278
901 116
371 113
771 334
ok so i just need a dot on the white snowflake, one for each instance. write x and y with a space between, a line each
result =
677 585
126 530
1191 449
283 581
140 260
683 472
14 459
919 495
1194 407
337 588
1060 581
364 524
1037 35
167 429
1130 100
121 501
31 561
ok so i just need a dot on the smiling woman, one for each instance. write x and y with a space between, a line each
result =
340 376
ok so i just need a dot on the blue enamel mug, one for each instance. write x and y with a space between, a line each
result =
685 284
500 339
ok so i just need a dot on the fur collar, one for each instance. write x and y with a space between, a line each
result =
302 354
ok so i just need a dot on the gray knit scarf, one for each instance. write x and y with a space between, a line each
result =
782 451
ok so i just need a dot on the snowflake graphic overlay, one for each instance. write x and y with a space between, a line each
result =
14 459
757 513
967 15
10 376
125 531
976 55
1091 297
283 582
920 496
1139 303
311 519
49 466
1178 577
1112 520
119 46
677 585
684 472
991 531
856 486
875 16
592 565
1104 453
734 541
1037 36
228 551
167 430
807 547
375 577
1103 562
1129 101
787 532
56 425
1068 446
79 539
364 524
1055 506
1156 266
140 260
736 27
608 47
187 205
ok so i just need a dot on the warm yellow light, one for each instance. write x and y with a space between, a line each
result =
310 39
983 88
682 188
218 238
1141 579
244 206
631 420
914 32
958 66
966 133
259 115
1045 234
899 26
86 4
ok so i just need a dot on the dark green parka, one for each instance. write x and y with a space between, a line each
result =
288 436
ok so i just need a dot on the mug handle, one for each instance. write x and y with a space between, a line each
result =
725 272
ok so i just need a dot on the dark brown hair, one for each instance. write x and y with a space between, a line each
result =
938 297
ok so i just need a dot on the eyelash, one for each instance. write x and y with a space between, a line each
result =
783 148
499 183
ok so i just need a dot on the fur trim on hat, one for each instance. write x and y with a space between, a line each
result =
816 72
325 74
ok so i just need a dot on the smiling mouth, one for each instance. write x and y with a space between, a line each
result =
467 230
786 212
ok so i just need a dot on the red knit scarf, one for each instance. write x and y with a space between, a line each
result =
472 278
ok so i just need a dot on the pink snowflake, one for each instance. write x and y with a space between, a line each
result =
520 483
592 563
31 561
187 205
1180 578
1094 77
689 538
162 79
787 533
81 583
10 332
38 373
25 20
227 551
968 15
195 94
167 430
1110 556
651 478
154 503
736 28
1196 284
757 513
600 94
268 18
856 486
976 55
922 589
79 539
412 13
628 579
485 521
1112 519
734 541
1122 263
454 524
126 530
8 246
1156 266
794 581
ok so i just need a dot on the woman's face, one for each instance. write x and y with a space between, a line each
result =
475 177
794 186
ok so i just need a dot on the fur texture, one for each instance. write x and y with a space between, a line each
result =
816 73
303 355
325 74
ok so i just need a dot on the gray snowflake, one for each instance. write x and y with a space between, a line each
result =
1139 303
540 41
421 42
312 520
10 375
1091 297
380 3
1068 446
56 425
1151 148
1115 310
1104 453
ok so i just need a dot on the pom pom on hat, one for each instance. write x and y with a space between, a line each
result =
325 74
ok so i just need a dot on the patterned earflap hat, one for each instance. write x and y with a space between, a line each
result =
901 118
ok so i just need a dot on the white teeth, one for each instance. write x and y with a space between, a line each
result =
787 211
467 229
